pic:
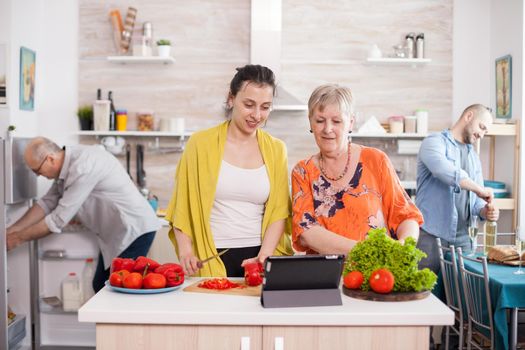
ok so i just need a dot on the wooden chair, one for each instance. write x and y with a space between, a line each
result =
451 284
479 307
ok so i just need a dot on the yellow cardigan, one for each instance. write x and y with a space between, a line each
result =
196 179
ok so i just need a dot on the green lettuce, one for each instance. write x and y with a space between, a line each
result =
380 251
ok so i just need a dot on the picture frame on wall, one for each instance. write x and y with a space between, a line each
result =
3 74
504 87
27 78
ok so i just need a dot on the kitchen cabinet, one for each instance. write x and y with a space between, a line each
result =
185 320
496 132
131 336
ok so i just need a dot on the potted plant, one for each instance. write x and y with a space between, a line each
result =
10 131
164 47
85 117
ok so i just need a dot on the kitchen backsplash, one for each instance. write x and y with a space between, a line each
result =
211 38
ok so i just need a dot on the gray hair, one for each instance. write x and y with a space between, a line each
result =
41 147
329 94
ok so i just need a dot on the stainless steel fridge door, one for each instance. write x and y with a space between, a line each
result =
20 182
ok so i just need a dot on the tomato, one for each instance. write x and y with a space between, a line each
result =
154 281
116 278
382 281
253 274
353 280
133 281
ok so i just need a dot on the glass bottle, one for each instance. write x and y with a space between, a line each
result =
491 232
112 113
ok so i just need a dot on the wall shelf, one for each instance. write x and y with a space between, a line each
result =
134 133
141 59
398 61
389 135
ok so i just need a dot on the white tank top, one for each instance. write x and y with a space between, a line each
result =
238 208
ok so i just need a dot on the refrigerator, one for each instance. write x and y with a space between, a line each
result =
28 277
18 186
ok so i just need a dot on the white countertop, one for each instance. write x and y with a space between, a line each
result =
185 308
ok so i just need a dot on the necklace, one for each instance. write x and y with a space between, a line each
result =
345 170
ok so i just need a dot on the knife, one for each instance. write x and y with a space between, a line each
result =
201 263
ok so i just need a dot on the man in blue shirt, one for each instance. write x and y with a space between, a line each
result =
450 186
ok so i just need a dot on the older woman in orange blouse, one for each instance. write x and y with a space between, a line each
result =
346 189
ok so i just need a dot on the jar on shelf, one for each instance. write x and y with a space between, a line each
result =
422 121
410 124
396 124
122 119
145 121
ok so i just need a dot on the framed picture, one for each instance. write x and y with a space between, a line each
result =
504 87
27 79
3 74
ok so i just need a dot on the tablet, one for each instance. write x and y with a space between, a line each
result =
303 272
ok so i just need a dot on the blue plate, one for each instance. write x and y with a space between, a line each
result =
142 291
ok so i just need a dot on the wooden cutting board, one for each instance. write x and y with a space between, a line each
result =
248 291
393 296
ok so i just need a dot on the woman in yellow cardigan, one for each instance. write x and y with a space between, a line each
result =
231 186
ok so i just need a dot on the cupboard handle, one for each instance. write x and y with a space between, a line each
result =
245 343
278 343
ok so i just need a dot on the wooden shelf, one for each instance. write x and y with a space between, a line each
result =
505 203
389 136
399 61
134 133
502 130
141 59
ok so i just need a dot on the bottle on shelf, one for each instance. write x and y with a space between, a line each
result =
112 113
71 292
87 280
410 45
491 233
420 45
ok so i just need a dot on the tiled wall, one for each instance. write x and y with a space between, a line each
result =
322 42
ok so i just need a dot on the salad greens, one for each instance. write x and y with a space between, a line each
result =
380 251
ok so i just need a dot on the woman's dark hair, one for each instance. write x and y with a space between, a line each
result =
254 73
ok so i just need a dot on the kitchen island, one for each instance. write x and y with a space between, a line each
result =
186 320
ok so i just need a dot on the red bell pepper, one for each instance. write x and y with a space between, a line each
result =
122 264
173 273
253 274
141 262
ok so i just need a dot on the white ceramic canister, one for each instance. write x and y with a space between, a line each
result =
422 121
101 115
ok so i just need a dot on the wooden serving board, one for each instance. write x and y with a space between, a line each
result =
393 296
247 291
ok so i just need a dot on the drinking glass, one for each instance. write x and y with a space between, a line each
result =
473 234
520 246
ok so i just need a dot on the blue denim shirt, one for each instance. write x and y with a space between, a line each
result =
438 175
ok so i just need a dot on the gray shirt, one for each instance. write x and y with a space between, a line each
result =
94 186
462 199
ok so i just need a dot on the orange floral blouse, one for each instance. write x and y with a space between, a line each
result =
373 198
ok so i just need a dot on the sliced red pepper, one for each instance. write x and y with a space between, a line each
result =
219 284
